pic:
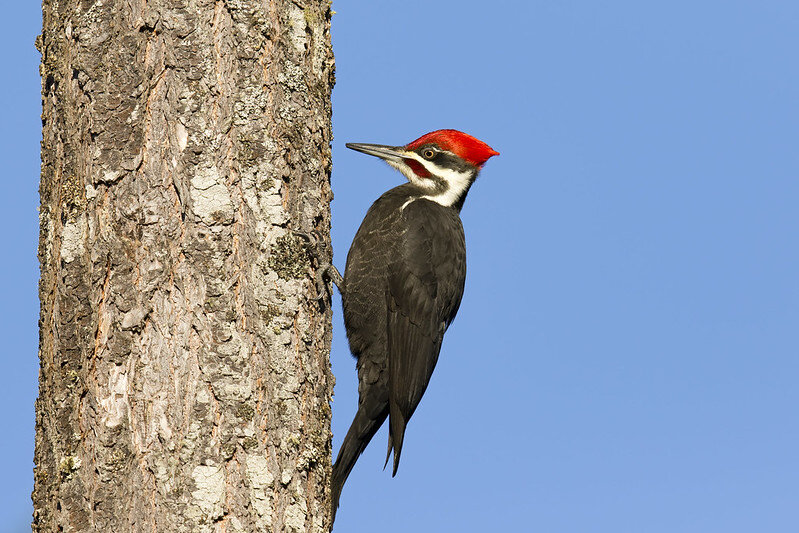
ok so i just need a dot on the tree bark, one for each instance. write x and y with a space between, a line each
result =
185 382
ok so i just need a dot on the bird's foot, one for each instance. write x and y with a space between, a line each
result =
318 248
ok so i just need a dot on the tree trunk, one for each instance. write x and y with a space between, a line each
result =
185 379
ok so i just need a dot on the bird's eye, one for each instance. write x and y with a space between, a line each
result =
429 153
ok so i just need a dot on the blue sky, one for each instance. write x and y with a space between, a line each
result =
626 355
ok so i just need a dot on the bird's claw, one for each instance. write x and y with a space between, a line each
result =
318 248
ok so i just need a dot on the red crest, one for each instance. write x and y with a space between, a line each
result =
461 144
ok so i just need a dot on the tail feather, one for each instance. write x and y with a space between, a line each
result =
396 435
390 447
361 431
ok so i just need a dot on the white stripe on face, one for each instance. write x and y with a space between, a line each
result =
457 183
407 171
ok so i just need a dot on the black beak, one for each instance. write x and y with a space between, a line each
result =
388 153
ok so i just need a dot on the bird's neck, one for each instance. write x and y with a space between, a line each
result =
448 189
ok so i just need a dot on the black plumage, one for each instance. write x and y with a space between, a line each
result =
402 287
403 284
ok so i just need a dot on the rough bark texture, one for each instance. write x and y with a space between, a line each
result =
185 380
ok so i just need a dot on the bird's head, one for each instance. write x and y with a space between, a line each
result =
442 164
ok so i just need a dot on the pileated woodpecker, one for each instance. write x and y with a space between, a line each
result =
403 284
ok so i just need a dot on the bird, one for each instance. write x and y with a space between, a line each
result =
403 283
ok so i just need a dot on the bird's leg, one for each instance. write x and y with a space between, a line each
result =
335 276
318 248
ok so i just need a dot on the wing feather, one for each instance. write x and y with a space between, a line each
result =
421 302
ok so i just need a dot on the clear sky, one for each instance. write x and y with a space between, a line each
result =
626 355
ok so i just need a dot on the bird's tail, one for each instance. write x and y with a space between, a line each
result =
396 434
361 431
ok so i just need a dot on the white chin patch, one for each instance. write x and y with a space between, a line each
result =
411 175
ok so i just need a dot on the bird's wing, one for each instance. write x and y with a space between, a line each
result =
415 325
